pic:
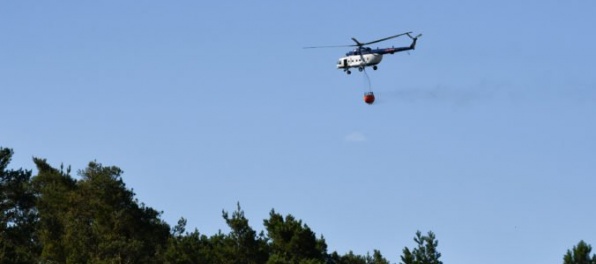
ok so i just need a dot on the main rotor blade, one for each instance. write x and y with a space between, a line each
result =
337 46
358 42
383 39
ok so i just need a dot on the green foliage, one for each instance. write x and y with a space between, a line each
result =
96 219
351 258
54 218
54 189
425 252
18 217
580 254
187 247
108 224
243 243
293 242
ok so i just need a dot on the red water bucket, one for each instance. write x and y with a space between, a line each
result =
369 97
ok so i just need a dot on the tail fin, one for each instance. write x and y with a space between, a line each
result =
414 39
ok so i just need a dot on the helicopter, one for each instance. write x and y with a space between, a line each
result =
362 56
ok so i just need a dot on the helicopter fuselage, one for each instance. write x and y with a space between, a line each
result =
359 61
365 57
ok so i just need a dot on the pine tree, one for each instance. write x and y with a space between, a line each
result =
580 254
425 252
54 189
18 217
293 242
246 247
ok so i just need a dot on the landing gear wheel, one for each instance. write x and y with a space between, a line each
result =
348 72
360 69
375 67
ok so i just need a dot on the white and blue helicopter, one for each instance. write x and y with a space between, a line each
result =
362 56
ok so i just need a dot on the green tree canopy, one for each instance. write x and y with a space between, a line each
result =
292 241
95 219
53 217
54 190
580 254
351 258
18 216
246 246
425 252
187 248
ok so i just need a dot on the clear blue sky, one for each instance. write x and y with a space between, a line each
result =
485 134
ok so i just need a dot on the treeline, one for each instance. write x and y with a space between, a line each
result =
52 217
